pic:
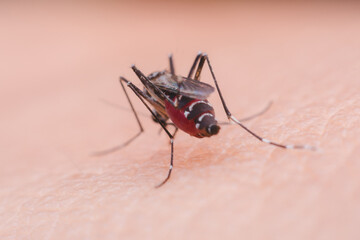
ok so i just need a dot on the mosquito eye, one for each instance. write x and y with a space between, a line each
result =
213 129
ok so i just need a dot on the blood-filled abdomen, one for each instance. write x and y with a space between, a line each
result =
193 116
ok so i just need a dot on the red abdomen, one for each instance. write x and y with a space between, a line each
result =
188 116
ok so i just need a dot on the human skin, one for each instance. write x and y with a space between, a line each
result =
60 62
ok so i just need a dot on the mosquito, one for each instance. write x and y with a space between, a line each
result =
182 102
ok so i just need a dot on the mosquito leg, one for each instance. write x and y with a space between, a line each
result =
167 124
140 95
194 64
171 63
257 114
200 66
232 118
250 117
172 70
175 131
171 164
116 148
197 77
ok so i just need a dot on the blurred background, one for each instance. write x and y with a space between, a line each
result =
60 60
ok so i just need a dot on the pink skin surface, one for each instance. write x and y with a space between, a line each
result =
59 68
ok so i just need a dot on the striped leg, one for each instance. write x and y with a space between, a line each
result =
202 57
141 96
232 118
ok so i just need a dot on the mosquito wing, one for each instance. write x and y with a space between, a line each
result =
184 86
195 89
